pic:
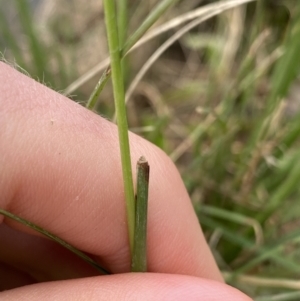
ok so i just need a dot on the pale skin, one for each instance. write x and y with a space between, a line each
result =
60 168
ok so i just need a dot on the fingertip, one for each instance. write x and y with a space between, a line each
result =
127 287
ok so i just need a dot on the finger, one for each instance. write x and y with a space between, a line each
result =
126 287
61 170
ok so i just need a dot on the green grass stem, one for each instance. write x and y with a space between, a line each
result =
119 97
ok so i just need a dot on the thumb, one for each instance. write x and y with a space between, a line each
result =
126 287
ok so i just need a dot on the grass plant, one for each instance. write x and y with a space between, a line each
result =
221 97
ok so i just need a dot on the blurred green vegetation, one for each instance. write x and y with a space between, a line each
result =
224 103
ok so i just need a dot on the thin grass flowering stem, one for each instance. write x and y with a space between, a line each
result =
119 97
54 238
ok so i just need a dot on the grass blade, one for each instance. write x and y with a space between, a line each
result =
265 282
98 89
292 296
155 14
11 41
36 49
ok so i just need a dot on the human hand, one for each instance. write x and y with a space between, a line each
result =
60 169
